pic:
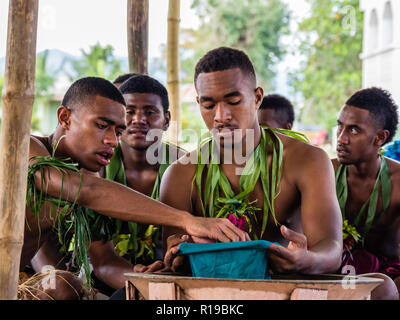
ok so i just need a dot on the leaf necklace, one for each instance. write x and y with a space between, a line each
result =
71 217
382 181
238 207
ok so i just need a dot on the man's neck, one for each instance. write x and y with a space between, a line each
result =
366 169
136 158
57 139
240 151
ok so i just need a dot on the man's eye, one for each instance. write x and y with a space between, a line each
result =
208 106
353 130
119 133
130 112
101 126
234 103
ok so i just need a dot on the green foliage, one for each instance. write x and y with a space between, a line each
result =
98 61
254 26
332 45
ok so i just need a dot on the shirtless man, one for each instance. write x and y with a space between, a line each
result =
147 107
90 120
367 121
306 209
276 111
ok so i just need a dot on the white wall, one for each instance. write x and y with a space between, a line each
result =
381 46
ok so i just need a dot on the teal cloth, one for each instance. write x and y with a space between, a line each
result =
231 260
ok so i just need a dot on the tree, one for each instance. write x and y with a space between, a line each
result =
254 26
331 44
98 61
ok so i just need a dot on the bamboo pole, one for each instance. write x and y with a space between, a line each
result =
17 113
138 34
173 69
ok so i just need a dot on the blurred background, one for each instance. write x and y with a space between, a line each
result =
316 53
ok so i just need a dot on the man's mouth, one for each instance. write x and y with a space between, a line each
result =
104 157
342 152
224 132
137 132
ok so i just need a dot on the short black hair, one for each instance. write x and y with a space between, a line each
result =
224 58
380 104
142 83
87 88
282 106
122 78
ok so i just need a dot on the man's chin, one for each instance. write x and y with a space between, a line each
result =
345 161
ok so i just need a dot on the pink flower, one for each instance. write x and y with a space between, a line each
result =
238 222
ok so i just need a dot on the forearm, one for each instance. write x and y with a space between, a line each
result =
112 272
323 257
110 198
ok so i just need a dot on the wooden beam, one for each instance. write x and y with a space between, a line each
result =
173 69
19 82
138 34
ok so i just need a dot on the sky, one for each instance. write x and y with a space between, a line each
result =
70 25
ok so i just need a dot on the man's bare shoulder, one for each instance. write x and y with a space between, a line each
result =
300 151
37 147
176 150
394 169
182 169
335 163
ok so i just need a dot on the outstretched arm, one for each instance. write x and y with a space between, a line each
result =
118 201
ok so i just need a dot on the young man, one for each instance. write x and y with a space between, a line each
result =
134 165
367 187
304 217
276 111
90 120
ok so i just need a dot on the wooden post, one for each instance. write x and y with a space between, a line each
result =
19 82
138 34
173 69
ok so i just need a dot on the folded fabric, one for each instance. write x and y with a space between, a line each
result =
232 260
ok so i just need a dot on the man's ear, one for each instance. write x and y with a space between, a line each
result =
381 137
167 120
259 95
64 117
287 126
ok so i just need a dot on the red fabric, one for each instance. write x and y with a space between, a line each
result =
365 262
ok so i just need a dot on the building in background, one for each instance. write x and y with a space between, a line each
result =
381 46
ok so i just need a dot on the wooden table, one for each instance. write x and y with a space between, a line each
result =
153 286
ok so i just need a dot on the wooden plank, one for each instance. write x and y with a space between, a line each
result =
173 70
19 83
138 34
162 291
130 291
309 294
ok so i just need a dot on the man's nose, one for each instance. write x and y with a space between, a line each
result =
222 113
139 117
342 137
111 138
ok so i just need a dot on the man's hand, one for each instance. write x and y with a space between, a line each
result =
292 259
157 266
172 261
214 229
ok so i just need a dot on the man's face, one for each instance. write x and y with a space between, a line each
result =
228 101
144 111
270 118
356 135
92 132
